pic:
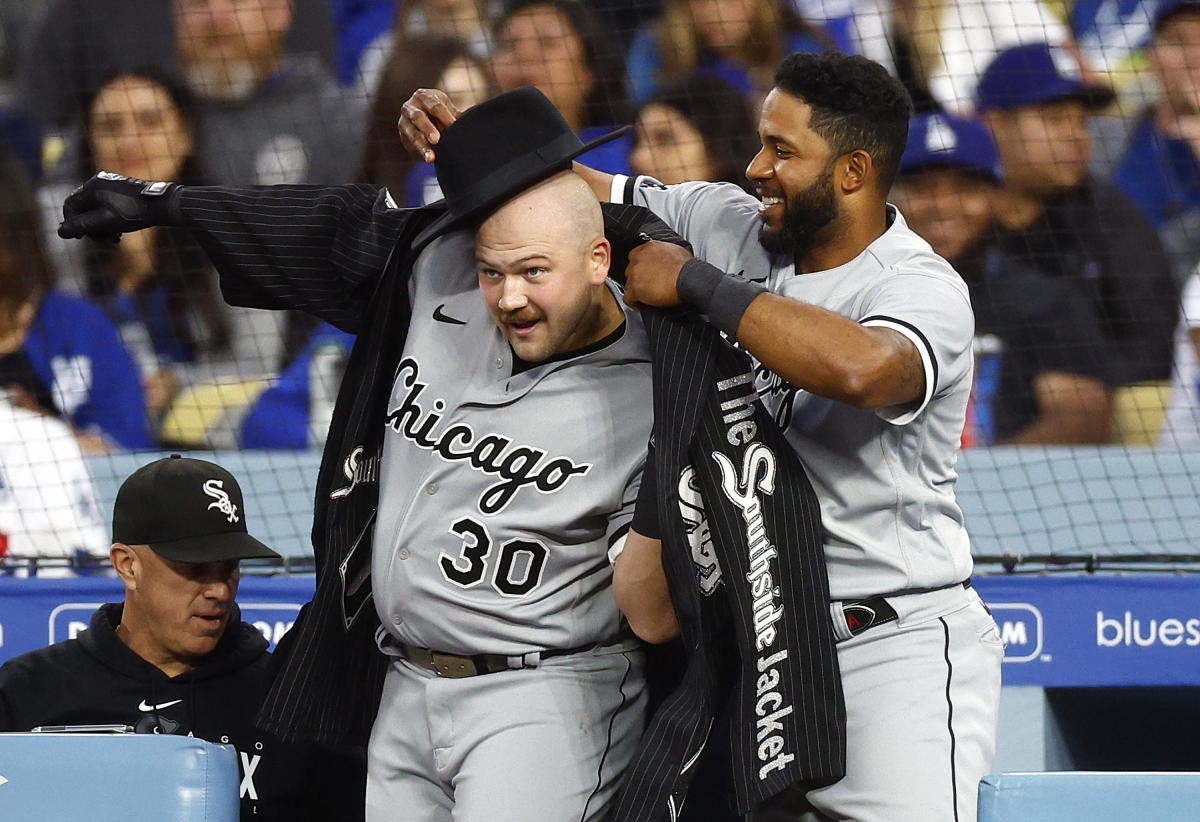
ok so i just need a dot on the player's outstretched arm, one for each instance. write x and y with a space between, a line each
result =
109 205
640 588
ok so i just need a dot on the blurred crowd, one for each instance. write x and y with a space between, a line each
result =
1054 159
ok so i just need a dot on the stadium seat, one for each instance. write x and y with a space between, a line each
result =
1090 796
116 778
1137 414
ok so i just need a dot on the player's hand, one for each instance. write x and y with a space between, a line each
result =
422 118
108 205
652 273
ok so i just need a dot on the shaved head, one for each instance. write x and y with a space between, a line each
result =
566 204
543 261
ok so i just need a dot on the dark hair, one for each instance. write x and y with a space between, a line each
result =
183 270
723 117
25 272
416 62
183 100
855 104
603 52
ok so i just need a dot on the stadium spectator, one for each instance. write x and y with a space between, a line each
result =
937 49
564 50
1041 371
1154 156
266 116
295 411
59 354
175 657
416 62
1181 424
700 128
74 44
740 41
1055 218
157 286
48 505
468 22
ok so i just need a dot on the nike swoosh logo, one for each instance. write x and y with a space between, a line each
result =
446 318
142 706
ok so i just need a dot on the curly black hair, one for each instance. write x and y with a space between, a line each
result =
855 104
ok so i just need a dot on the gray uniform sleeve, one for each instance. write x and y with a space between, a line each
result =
934 313
710 216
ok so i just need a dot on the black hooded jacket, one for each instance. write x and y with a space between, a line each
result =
96 678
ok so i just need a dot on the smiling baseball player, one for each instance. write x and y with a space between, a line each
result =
499 410
862 338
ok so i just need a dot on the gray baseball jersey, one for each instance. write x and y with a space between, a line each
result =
885 479
503 496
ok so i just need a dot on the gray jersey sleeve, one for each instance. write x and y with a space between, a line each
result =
712 216
620 520
934 312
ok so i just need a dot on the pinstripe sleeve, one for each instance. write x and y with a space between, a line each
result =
315 249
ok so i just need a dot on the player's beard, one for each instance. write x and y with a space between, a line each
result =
805 214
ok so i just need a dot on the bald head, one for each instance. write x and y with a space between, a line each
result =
543 261
562 209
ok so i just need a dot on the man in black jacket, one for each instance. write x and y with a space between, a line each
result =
175 657
1077 230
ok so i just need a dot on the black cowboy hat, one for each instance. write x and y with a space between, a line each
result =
496 150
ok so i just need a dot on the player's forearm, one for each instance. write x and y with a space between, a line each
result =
830 355
1072 410
640 588
599 181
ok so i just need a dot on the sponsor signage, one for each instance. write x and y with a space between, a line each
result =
37 612
1093 630
1059 629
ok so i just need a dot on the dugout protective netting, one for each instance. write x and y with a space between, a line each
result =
1082 448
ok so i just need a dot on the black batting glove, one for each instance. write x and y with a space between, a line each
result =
108 205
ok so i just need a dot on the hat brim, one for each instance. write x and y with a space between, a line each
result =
213 548
949 165
451 221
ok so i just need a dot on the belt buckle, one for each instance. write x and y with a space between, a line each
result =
452 666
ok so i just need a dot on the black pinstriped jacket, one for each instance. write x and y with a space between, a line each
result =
341 254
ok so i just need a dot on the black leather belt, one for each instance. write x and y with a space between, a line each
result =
864 614
457 666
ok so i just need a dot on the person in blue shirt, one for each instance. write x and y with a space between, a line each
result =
1157 154
59 354
740 42
294 413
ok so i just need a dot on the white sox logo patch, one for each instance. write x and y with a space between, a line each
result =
215 488
695 519
491 454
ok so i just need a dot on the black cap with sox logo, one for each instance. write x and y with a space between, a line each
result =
186 510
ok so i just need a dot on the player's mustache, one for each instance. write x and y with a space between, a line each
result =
521 315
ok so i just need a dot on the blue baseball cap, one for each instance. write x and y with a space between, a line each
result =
1037 73
1167 9
942 140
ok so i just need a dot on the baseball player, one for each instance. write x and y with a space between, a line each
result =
862 338
512 437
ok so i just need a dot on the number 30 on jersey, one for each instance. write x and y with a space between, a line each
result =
516 568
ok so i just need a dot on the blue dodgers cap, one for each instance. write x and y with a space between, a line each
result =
1037 73
1167 9
941 140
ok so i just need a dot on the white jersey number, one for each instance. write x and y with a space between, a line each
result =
517 569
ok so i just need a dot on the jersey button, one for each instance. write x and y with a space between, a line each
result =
404 554
499 362
397 619
431 488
